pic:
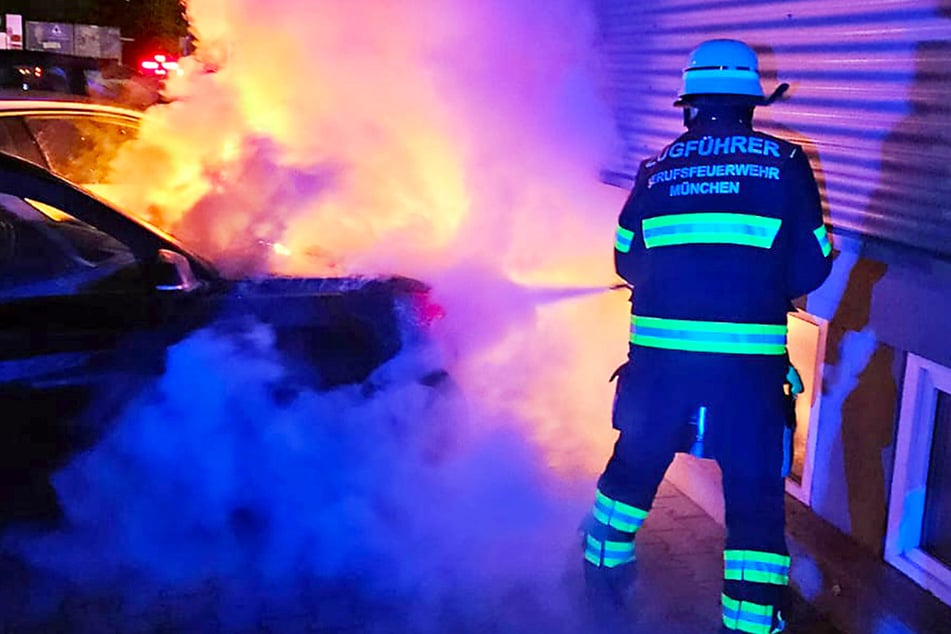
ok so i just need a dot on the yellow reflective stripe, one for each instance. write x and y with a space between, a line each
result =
689 345
623 239
763 556
710 228
708 237
745 616
592 550
739 625
762 576
621 523
822 235
621 507
756 576
756 567
728 327
673 220
608 554
708 336
623 517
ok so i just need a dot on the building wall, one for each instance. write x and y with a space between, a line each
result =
882 303
871 103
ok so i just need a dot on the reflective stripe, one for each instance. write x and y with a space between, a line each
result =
756 566
756 555
708 336
823 237
710 228
623 517
623 239
608 554
745 616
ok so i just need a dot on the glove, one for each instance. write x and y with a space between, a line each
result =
794 381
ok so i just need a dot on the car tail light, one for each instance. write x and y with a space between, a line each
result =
160 65
425 309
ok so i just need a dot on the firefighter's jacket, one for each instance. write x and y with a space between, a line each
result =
721 231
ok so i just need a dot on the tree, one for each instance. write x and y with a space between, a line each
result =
155 25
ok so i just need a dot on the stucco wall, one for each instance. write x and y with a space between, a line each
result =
881 303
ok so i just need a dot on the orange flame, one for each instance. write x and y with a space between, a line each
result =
457 141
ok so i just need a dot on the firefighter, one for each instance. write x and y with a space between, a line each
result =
722 230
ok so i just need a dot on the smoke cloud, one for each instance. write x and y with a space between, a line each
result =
409 494
454 141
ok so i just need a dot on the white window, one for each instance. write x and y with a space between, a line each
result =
806 345
918 541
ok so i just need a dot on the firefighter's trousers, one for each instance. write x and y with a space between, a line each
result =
659 390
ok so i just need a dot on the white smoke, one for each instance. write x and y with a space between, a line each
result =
211 475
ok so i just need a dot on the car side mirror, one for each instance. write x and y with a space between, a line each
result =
173 272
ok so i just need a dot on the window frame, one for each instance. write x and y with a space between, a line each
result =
65 282
26 180
24 145
903 539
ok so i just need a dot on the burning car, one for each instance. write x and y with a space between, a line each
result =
91 298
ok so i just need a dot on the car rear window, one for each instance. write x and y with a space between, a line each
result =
80 148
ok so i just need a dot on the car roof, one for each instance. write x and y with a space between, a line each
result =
22 102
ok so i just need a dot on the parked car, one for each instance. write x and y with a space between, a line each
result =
28 70
91 298
73 137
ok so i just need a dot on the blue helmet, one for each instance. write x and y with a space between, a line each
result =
722 67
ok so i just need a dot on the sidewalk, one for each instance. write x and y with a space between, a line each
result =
677 592
854 588
681 572
849 591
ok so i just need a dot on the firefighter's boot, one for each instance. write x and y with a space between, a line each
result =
609 568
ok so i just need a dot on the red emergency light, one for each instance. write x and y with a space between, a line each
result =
159 65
